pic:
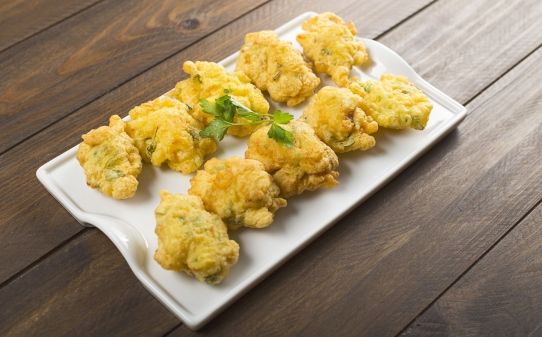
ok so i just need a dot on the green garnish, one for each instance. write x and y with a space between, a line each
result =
113 174
281 117
325 51
224 109
281 135
216 129
150 145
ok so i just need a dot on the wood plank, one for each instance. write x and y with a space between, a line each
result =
500 296
95 51
60 302
32 219
375 271
20 19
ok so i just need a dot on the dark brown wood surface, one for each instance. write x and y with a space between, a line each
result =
499 296
450 247
95 51
21 19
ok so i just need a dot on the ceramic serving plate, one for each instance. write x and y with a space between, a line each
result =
130 223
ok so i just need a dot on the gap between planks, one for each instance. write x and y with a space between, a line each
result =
43 257
481 257
50 26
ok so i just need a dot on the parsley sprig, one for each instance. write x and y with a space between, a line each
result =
226 107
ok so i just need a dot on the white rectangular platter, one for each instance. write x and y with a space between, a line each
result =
130 223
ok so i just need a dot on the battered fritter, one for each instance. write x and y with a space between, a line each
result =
110 160
192 240
277 67
331 45
308 165
339 121
210 80
239 190
394 102
164 132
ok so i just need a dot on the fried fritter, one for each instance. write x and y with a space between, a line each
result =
277 67
394 102
308 165
338 120
192 240
110 160
210 80
239 190
331 45
164 132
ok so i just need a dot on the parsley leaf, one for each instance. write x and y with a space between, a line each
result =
209 107
224 109
216 129
281 135
224 105
281 117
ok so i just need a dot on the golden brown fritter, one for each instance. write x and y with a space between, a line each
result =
164 132
110 160
210 80
308 165
192 240
394 102
338 120
277 67
239 190
332 46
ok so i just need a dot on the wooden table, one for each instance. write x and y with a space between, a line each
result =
451 247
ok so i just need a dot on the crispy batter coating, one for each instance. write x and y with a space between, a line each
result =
239 190
308 165
394 102
164 132
110 160
338 120
277 67
210 80
192 240
331 45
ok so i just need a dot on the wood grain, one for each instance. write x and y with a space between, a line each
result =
95 51
35 222
20 19
500 296
472 46
377 269
58 300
